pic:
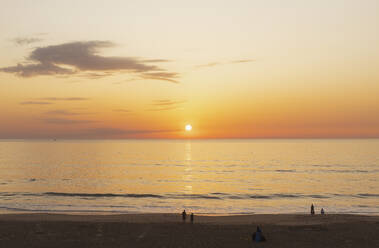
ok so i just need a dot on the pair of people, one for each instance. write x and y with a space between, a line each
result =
184 216
313 210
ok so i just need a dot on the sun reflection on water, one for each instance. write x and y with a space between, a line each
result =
188 169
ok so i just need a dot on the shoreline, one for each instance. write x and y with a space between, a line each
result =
279 219
111 213
168 230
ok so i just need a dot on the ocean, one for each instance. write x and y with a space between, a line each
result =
202 176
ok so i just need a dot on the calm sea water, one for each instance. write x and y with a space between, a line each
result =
208 176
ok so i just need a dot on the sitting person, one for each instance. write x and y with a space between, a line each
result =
258 236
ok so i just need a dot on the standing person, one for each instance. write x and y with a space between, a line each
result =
312 209
191 217
322 211
184 215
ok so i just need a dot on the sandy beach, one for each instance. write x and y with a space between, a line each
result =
168 230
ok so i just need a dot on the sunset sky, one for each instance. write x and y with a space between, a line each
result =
231 69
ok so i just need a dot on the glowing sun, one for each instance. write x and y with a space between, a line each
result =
188 127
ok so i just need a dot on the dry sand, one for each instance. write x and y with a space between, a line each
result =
167 230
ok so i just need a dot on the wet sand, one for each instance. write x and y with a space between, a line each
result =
168 230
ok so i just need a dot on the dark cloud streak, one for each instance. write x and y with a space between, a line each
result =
51 100
241 61
164 76
208 65
34 103
83 59
212 64
62 121
63 112
122 110
115 132
26 40
64 98
165 104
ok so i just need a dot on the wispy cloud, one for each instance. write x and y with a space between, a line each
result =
212 64
26 40
82 59
163 108
64 121
241 61
51 100
96 75
125 111
82 133
34 103
127 80
62 112
64 98
164 76
116 132
165 104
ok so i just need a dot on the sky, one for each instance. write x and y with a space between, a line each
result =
95 69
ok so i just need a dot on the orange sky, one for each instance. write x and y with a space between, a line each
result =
232 69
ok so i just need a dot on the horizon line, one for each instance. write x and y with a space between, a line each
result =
236 138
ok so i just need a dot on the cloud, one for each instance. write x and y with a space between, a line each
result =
115 132
62 121
26 40
165 104
81 133
63 112
163 108
241 61
212 64
82 58
164 76
100 132
34 103
122 110
127 80
94 75
51 100
64 98
30 70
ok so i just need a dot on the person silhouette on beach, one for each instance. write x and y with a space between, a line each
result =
191 217
312 209
258 236
184 215
322 211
